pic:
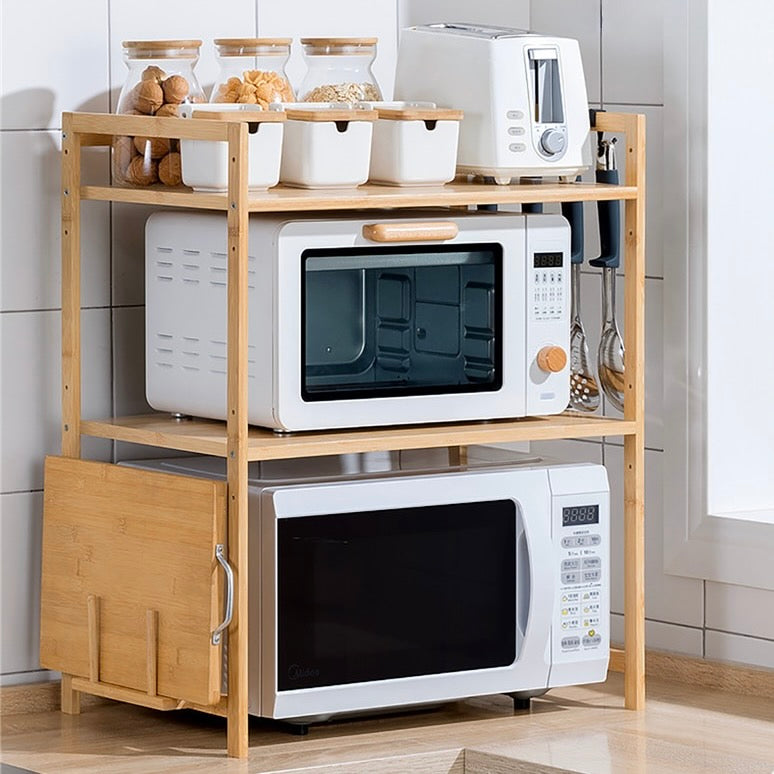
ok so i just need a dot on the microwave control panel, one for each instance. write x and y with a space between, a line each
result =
582 568
548 292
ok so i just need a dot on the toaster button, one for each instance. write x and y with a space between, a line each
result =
516 131
515 115
517 147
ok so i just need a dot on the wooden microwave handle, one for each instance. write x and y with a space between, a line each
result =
410 232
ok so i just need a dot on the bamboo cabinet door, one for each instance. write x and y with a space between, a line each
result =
131 588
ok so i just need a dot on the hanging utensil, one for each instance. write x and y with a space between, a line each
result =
584 391
610 355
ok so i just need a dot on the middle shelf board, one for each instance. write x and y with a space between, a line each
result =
369 196
204 436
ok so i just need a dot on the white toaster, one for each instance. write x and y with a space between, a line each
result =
524 96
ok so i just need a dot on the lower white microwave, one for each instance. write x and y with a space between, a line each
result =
374 587
361 320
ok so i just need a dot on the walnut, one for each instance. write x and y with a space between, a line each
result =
148 97
176 89
153 147
170 170
123 153
153 73
142 171
167 110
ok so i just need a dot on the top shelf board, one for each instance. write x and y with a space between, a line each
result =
286 199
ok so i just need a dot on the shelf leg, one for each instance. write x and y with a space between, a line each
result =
634 409
71 699
236 428
634 573
71 289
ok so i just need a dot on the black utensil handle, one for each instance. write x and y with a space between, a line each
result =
609 215
573 211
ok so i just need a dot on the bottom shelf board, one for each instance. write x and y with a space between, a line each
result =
203 436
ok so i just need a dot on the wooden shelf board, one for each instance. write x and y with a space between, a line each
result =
209 437
285 199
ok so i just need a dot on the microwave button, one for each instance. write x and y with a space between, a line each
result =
570 577
517 147
592 575
591 562
516 131
570 564
590 641
570 642
569 542
595 540
515 115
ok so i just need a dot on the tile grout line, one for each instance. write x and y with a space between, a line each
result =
738 634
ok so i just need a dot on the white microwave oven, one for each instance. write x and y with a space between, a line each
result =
362 320
373 586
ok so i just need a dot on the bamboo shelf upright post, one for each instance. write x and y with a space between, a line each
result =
238 444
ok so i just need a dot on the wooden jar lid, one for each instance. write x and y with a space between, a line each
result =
251 43
339 42
144 45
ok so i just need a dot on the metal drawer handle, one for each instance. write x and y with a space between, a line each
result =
221 557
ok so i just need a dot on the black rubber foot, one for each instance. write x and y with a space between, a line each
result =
521 704
296 729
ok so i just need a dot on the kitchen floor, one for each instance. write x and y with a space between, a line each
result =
585 729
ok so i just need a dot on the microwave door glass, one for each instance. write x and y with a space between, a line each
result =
401 321
395 593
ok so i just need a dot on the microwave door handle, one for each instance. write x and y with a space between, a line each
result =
411 232
524 590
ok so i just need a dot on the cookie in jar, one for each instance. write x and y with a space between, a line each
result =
161 78
252 71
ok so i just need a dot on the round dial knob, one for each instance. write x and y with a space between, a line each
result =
551 359
552 141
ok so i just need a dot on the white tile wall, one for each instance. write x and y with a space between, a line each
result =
30 385
721 646
20 540
668 598
128 253
740 609
53 57
632 47
350 18
663 636
577 19
30 224
515 13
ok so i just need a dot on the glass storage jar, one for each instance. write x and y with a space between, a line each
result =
252 71
339 70
161 77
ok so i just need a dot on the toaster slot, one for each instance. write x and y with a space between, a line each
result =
546 85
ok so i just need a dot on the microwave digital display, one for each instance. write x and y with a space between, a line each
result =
548 260
398 321
580 515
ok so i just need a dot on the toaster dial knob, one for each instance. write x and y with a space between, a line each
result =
551 359
552 142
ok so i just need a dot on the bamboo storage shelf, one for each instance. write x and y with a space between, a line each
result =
240 444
